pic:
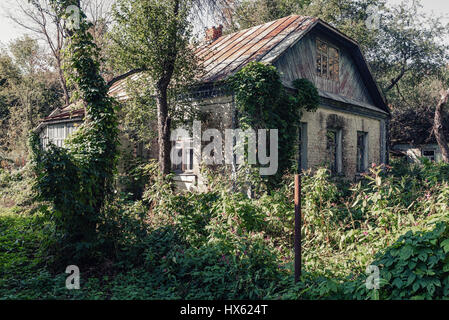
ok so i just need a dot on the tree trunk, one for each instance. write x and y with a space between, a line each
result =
63 82
438 126
163 128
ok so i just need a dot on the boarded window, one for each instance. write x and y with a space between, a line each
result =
328 61
362 151
183 149
334 150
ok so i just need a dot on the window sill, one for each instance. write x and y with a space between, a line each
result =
184 173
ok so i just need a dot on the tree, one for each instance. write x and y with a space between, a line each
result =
410 42
29 91
78 180
249 13
41 18
154 37
438 126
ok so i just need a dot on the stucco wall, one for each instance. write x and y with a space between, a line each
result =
323 119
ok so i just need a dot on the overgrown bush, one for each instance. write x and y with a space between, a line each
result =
78 180
223 245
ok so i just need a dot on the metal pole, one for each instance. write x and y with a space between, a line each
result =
297 227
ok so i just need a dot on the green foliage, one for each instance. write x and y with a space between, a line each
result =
222 245
78 180
15 189
414 267
250 13
149 33
263 103
29 90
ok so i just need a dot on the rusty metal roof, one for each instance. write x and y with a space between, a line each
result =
66 115
263 43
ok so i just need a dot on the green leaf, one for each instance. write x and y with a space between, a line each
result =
398 283
406 252
411 278
445 245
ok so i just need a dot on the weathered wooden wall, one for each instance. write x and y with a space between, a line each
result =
300 62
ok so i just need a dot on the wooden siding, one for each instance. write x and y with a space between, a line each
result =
300 62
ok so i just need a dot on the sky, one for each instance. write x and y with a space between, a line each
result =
9 30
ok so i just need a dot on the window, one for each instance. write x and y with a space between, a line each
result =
302 159
183 149
429 154
328 61
362 151
334 150
57 134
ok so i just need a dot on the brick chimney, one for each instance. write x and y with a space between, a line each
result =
213 33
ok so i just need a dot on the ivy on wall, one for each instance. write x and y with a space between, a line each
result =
263 102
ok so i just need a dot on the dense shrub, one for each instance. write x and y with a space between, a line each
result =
414 267
223 245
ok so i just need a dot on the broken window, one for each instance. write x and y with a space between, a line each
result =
328 61
334 150
362 151
183 149
429 154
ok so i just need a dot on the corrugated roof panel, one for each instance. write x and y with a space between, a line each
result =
246 44
239 40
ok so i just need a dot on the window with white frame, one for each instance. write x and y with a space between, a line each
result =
183 150
57 134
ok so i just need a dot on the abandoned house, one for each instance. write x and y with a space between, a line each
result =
347 133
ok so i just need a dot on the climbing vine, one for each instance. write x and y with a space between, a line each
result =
262 102
78 180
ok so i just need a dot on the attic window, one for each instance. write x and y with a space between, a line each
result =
328 61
